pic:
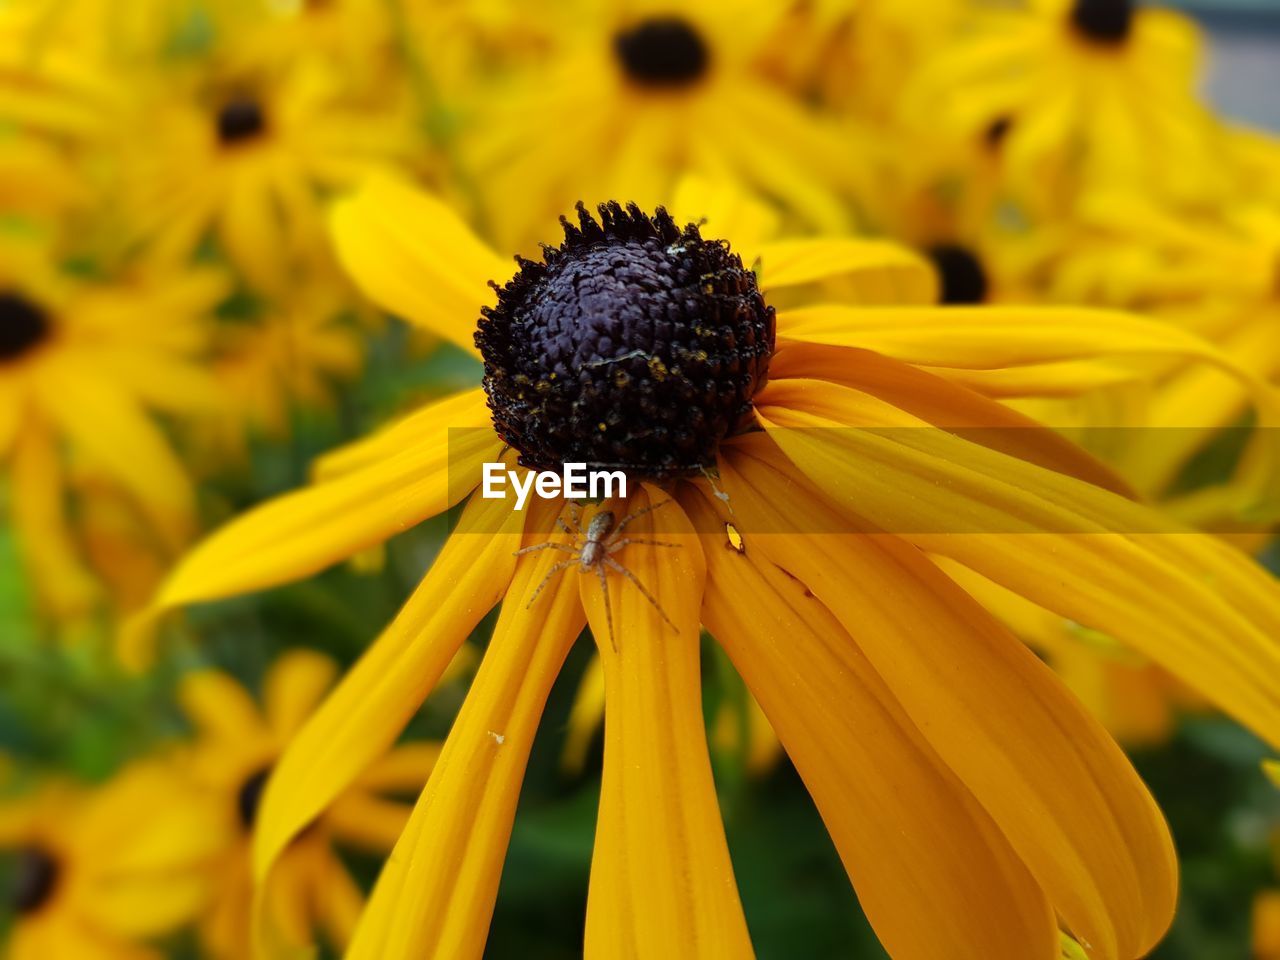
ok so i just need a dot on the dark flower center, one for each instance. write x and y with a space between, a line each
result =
23 325
250 796
662 52
1103 21
634 345
963 278
998 131
35 877
240 119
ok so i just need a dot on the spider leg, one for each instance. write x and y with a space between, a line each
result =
549 545
575 517
608 610
561 525
616 545
563 564
637 514
616 566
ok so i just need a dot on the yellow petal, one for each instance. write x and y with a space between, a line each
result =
359 821
728 210
413 256
942 403
661 881
993 338
377 697
585 717
435 895
1049 775
39 518
219 707
1272 769
1188 602
294 687
303 532
912 838
116 433
416 430
404 770
879 272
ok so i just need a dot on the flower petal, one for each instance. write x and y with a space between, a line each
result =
1196 606
301 533
294 687
912 837
661 881
1049 775
880 272
436 892
377 697
942 403
413 255
115 433
220 707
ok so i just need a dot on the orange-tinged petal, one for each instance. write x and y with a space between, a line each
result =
661 881
911 836
412 254
941 403
435 895
303 532
1188 602
1050 776
993 338
377 697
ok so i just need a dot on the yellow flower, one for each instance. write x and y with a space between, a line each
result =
289 359
857 55
249 157
1099 89
1215 276
951 767
99 871
235 748
671 87
83 365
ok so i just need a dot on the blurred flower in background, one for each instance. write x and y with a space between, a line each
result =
994 491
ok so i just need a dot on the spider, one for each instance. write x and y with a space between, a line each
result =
594 550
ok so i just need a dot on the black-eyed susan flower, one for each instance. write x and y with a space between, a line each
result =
237 744
247 156
1099 90
98 871
953 770
84 366
673 88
